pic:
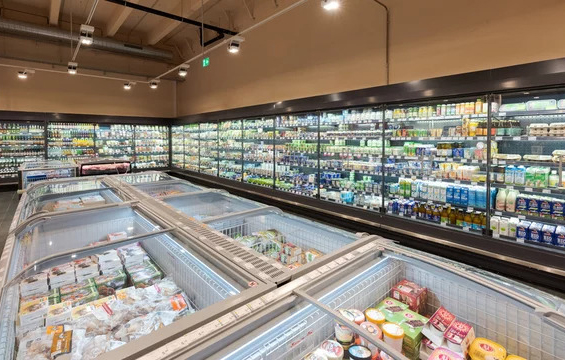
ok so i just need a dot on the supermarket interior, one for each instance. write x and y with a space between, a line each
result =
282 179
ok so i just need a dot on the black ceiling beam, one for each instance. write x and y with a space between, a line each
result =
172 16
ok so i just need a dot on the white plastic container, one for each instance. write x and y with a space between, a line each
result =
393 335
495 225
504 226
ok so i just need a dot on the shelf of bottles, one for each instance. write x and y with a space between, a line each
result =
114 141
177 143
209 148
151 146
230 149
526 169
71 141
19 143
258 154
191 147
351 146
296 154
435 163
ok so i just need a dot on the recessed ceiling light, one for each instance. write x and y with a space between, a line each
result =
330 4
22 74
127 86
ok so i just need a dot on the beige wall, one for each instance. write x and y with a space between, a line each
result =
309 51
63 93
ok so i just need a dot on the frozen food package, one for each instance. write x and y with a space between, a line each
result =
67 289
444 354
109 261
485 349
34 284
312 254
390 306
62 275
59 314
132 254
120 235
411 294
35 345
438 325
86 268
165 287
146 276
33 312
82 296
108 283
459 336
52 297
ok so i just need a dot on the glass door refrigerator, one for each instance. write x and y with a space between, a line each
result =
177 138
71 141
192 147
114 141
209 148
19 143
296 154
258 151
116 282
351 149
151 146
394 303
230 149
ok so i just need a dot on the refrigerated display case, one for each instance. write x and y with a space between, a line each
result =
31 172
166 188
258 151
71 140
296 154
152 280
19 143
177 139
230 149
522 320
351 148
144 177
192 147
209 205
151 146
208 144
114 141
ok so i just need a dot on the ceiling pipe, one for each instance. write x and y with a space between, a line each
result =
36 32
172 16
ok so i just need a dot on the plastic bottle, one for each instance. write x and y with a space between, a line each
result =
501 200
511 200
460 217
553 179
453 217
468 219
444 216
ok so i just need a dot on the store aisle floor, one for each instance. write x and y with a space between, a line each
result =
8 204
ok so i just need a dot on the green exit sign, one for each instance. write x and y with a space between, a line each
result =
205 62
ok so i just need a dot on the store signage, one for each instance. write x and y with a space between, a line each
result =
205 62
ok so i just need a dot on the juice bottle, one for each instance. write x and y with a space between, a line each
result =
478 106
429 212
436 215
459 219
477 221
444 215
468 219
422 211
483 222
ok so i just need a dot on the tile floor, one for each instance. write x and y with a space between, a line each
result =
8 204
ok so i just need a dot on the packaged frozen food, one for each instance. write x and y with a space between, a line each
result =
359 352
317 354
62 275
393 335
86 268
132 254
33 312
109 261
108 283
411 294
35 284
372 329
52 297
375 316
120 235
514 357
390 306
359 317
438 325
484 349
459 336
62 342
80 311
59 314
343 334
427 347
82 296
444 354
165 287
146 276
67 289
332 350
36 345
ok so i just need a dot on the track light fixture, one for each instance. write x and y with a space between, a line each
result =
330 4
22 74
72 67
86 34
127 86
153 84
183 70
234 44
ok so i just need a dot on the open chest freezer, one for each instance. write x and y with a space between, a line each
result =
276 245
67 195
143 177
523 320
208 205
31 172
166 188
112 276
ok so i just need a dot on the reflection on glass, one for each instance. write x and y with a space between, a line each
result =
257 139
177 138
19 143
209 148
230 149
191 147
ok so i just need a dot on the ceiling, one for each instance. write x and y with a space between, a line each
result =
138 27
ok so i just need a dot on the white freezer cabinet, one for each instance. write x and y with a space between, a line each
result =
165 188
113 276
31 172
525 321
144 177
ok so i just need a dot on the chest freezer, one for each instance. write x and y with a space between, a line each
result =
524 321
166 188
113 276
284 245
143 177
31 172
209 205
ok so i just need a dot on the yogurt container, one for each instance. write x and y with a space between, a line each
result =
559 239
359 352
523 230
374 316
343 334
534 234
484 349
332 350
548 234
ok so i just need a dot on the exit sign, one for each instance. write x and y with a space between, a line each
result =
205 62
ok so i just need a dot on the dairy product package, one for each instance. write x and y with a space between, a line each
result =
511 200
530 178
390 306
438 325
509 174
512 226
548 234
535 232
459 336
503 226
411 294
521 204
472 196
533 205
542 177
520 175
456 195
495 225
501 200
559 239
557 209
523 230
464 196
545 205
484 349
444 354
449 194
412 323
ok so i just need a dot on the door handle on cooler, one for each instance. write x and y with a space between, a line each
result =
555 317
35 219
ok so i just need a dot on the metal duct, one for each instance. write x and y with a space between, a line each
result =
53 34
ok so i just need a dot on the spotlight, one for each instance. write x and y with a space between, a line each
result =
234 44
86 34
22 74
153 84
72 67
127 86
183 70
330 4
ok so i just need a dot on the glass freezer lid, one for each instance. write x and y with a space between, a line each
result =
144 177
165 188
47 164
287 239
147 284
63 186
210 204
519 326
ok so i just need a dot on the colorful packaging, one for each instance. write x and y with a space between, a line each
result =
559 239
67 289
147 276
444 354
459 336
523 230
427 347
82 296
108 283
121 235
33 312
534 233
35 284
332 349
522 204
390 306
503 226
51 297
520 175
557 209
411 294
412 323
59 314
548 234
533 206
438 325
484 349
62 275
545 205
